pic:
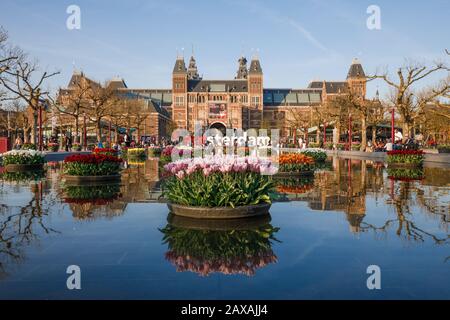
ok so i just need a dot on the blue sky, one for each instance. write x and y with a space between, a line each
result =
297 41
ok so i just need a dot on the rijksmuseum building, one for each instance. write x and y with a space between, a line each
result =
239 103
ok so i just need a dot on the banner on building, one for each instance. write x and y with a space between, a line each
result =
218 110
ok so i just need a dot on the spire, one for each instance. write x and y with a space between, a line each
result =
192 69
242 70
180 66
255 66
356 70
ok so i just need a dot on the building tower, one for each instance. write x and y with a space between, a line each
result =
179 94
356 79
242 72
192 70
255 93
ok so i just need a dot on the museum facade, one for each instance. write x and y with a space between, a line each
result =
239 103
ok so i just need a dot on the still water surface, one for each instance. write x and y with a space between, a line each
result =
321 236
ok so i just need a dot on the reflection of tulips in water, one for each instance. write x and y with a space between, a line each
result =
226 251
86 200
405 174
22 176
294 185
99 195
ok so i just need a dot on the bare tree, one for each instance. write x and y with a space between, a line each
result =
73 104
408 102
101 99
26 81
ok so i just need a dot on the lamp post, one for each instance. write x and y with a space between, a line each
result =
392 124
84 132
40 127
350 132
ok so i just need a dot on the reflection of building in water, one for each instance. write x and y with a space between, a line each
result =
345 189
139 179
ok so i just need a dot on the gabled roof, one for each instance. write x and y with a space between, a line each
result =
255 67
116 83
356 70
335 87
76 79
180 66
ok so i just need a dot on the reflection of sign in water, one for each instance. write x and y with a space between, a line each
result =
218 110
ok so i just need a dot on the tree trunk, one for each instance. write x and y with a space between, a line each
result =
77 129
99 130
406 131
35 127
363 134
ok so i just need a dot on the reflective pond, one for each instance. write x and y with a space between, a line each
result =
320 238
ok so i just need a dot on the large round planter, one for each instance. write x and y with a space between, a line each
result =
218 224
221 212
280 174
91 179
405 165
443 150
24 167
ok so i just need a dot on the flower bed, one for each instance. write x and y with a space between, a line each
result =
76 147
29 146
166 154
295 164
92 165
443 148
405 174
23 160
227 251
405 157
319 155
105 151
53 146
218 182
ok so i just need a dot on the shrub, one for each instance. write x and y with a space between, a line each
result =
329 145
356 146
91 165
340 146
76 147
229 252
406 156
23 157
313 145
225 181
317 154
295 162
53 146
29 146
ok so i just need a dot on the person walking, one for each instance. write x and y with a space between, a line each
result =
18 143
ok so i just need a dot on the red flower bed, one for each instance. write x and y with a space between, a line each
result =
405 152
92 158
